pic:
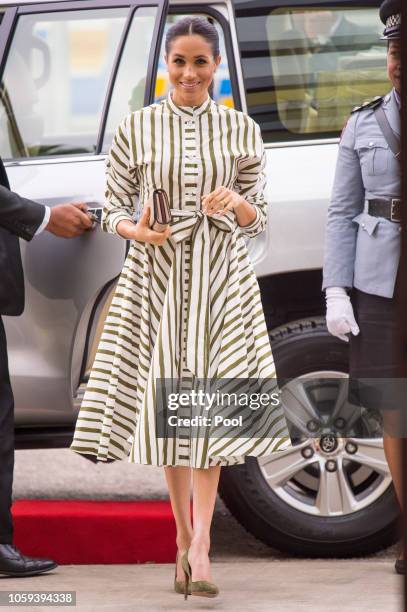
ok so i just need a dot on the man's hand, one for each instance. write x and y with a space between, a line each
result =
340 319
69 220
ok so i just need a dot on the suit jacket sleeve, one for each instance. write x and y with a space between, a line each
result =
346 203
18 215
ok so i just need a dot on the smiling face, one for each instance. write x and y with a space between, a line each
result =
394 64
191 67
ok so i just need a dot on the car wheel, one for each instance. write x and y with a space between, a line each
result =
331 494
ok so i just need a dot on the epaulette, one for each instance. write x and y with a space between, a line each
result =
377 101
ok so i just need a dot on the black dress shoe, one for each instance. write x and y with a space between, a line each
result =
14 564
400 566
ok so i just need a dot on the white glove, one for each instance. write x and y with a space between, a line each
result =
340 319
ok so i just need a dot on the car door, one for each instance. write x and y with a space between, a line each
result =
59 65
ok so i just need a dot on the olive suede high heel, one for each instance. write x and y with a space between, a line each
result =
202 588
179 585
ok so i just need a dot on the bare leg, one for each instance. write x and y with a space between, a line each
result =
179 487
393 450
205 486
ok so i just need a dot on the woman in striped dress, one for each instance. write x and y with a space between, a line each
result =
187 306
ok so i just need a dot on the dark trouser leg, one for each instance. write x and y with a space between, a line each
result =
6 443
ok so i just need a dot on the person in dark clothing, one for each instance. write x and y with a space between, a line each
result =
21 218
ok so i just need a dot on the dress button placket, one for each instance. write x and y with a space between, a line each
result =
190 157
189 204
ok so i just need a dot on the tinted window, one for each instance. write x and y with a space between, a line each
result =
305 69
55 81
130 83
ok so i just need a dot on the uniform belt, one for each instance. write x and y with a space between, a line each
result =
389 209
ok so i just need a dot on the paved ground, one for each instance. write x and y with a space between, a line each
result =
252 577
284 586
63 473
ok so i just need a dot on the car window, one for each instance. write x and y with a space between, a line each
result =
130 83
306 68
55 81
128 93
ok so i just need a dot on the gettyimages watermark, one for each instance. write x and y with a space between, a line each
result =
310 406
224 407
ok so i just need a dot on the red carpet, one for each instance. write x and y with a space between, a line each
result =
96 531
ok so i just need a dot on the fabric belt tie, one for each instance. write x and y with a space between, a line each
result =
196 225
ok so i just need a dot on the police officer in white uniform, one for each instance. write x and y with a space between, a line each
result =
363 241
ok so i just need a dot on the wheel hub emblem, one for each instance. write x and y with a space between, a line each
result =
328 443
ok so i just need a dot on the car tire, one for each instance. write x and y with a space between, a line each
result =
299 348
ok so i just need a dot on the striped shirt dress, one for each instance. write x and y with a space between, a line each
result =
186 311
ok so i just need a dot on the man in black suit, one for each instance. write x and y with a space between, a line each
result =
22 218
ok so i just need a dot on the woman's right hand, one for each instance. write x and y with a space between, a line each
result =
141 231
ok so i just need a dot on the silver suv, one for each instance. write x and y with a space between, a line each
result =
69 72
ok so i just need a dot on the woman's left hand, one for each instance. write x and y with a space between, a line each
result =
220 201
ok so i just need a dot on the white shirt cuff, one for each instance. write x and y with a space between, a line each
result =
44 221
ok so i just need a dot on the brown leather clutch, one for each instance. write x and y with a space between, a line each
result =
160 211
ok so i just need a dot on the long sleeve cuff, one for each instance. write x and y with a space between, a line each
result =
256 226
111 220
45 221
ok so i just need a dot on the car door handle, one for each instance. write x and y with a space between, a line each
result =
95 212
